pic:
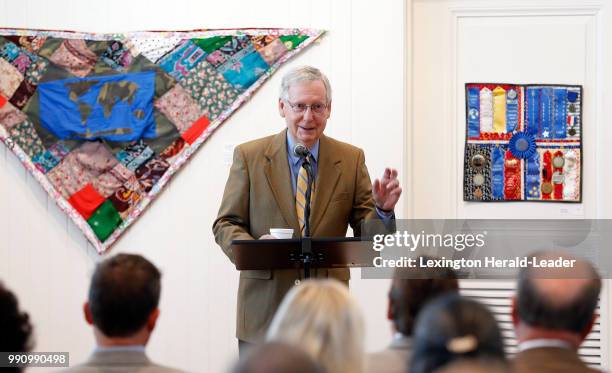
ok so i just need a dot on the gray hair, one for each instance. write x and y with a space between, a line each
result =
304 74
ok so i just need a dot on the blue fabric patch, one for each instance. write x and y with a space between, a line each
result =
244 72
135 155
522 145
9 51
46 161
532 122
497 172
184 58
560 112
532 176
115 108
512 113
546 103
473 112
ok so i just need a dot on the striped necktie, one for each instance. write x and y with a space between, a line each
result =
300 194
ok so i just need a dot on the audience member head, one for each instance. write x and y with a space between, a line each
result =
275 357
556 303
322 318
412 288
15 327
453 327
123 300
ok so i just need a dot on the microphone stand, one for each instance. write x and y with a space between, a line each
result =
306 240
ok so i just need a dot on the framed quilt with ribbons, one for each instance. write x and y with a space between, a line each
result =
103 121
523 142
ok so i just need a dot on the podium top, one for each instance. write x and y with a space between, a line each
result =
327 252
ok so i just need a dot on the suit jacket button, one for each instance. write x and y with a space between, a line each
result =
297 281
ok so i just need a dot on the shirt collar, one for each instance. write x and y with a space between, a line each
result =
401 341
539 343
294 158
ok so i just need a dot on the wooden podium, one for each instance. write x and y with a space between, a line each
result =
295 253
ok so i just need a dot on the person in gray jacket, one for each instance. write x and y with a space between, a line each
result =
123 309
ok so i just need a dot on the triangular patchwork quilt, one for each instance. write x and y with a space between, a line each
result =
103 121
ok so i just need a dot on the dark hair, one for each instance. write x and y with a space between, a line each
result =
15 327
413 287
276 357
453 327
536 308
124 291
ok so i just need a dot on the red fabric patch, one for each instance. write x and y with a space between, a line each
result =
196 129
546 172
86 200
512 177
3 101
558 188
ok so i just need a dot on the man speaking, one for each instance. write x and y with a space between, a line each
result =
267 185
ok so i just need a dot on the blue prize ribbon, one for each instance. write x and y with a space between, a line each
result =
546 106
532 176
497 173
473 112
512 113
532 123
560 113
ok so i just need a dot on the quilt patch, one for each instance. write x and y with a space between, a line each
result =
104 121
523 143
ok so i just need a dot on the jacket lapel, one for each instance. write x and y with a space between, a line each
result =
328 174
279 178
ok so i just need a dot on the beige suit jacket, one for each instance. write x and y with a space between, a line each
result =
259 196
549 359
119 362
394 359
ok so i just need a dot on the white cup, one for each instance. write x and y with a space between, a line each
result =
285 233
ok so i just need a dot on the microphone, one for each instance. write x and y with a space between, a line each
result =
301 150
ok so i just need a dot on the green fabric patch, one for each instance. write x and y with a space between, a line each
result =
104 220
163 81
212 44
210 89
26 137
292 41
166 133
102 68
98 46
49 46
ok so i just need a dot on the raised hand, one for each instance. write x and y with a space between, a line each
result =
387 191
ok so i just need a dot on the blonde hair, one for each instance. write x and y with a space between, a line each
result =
322 318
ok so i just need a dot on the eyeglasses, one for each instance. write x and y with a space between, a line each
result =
300 108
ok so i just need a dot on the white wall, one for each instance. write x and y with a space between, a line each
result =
452 42
47 261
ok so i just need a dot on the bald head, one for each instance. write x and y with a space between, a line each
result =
561 292
277 357
561 299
